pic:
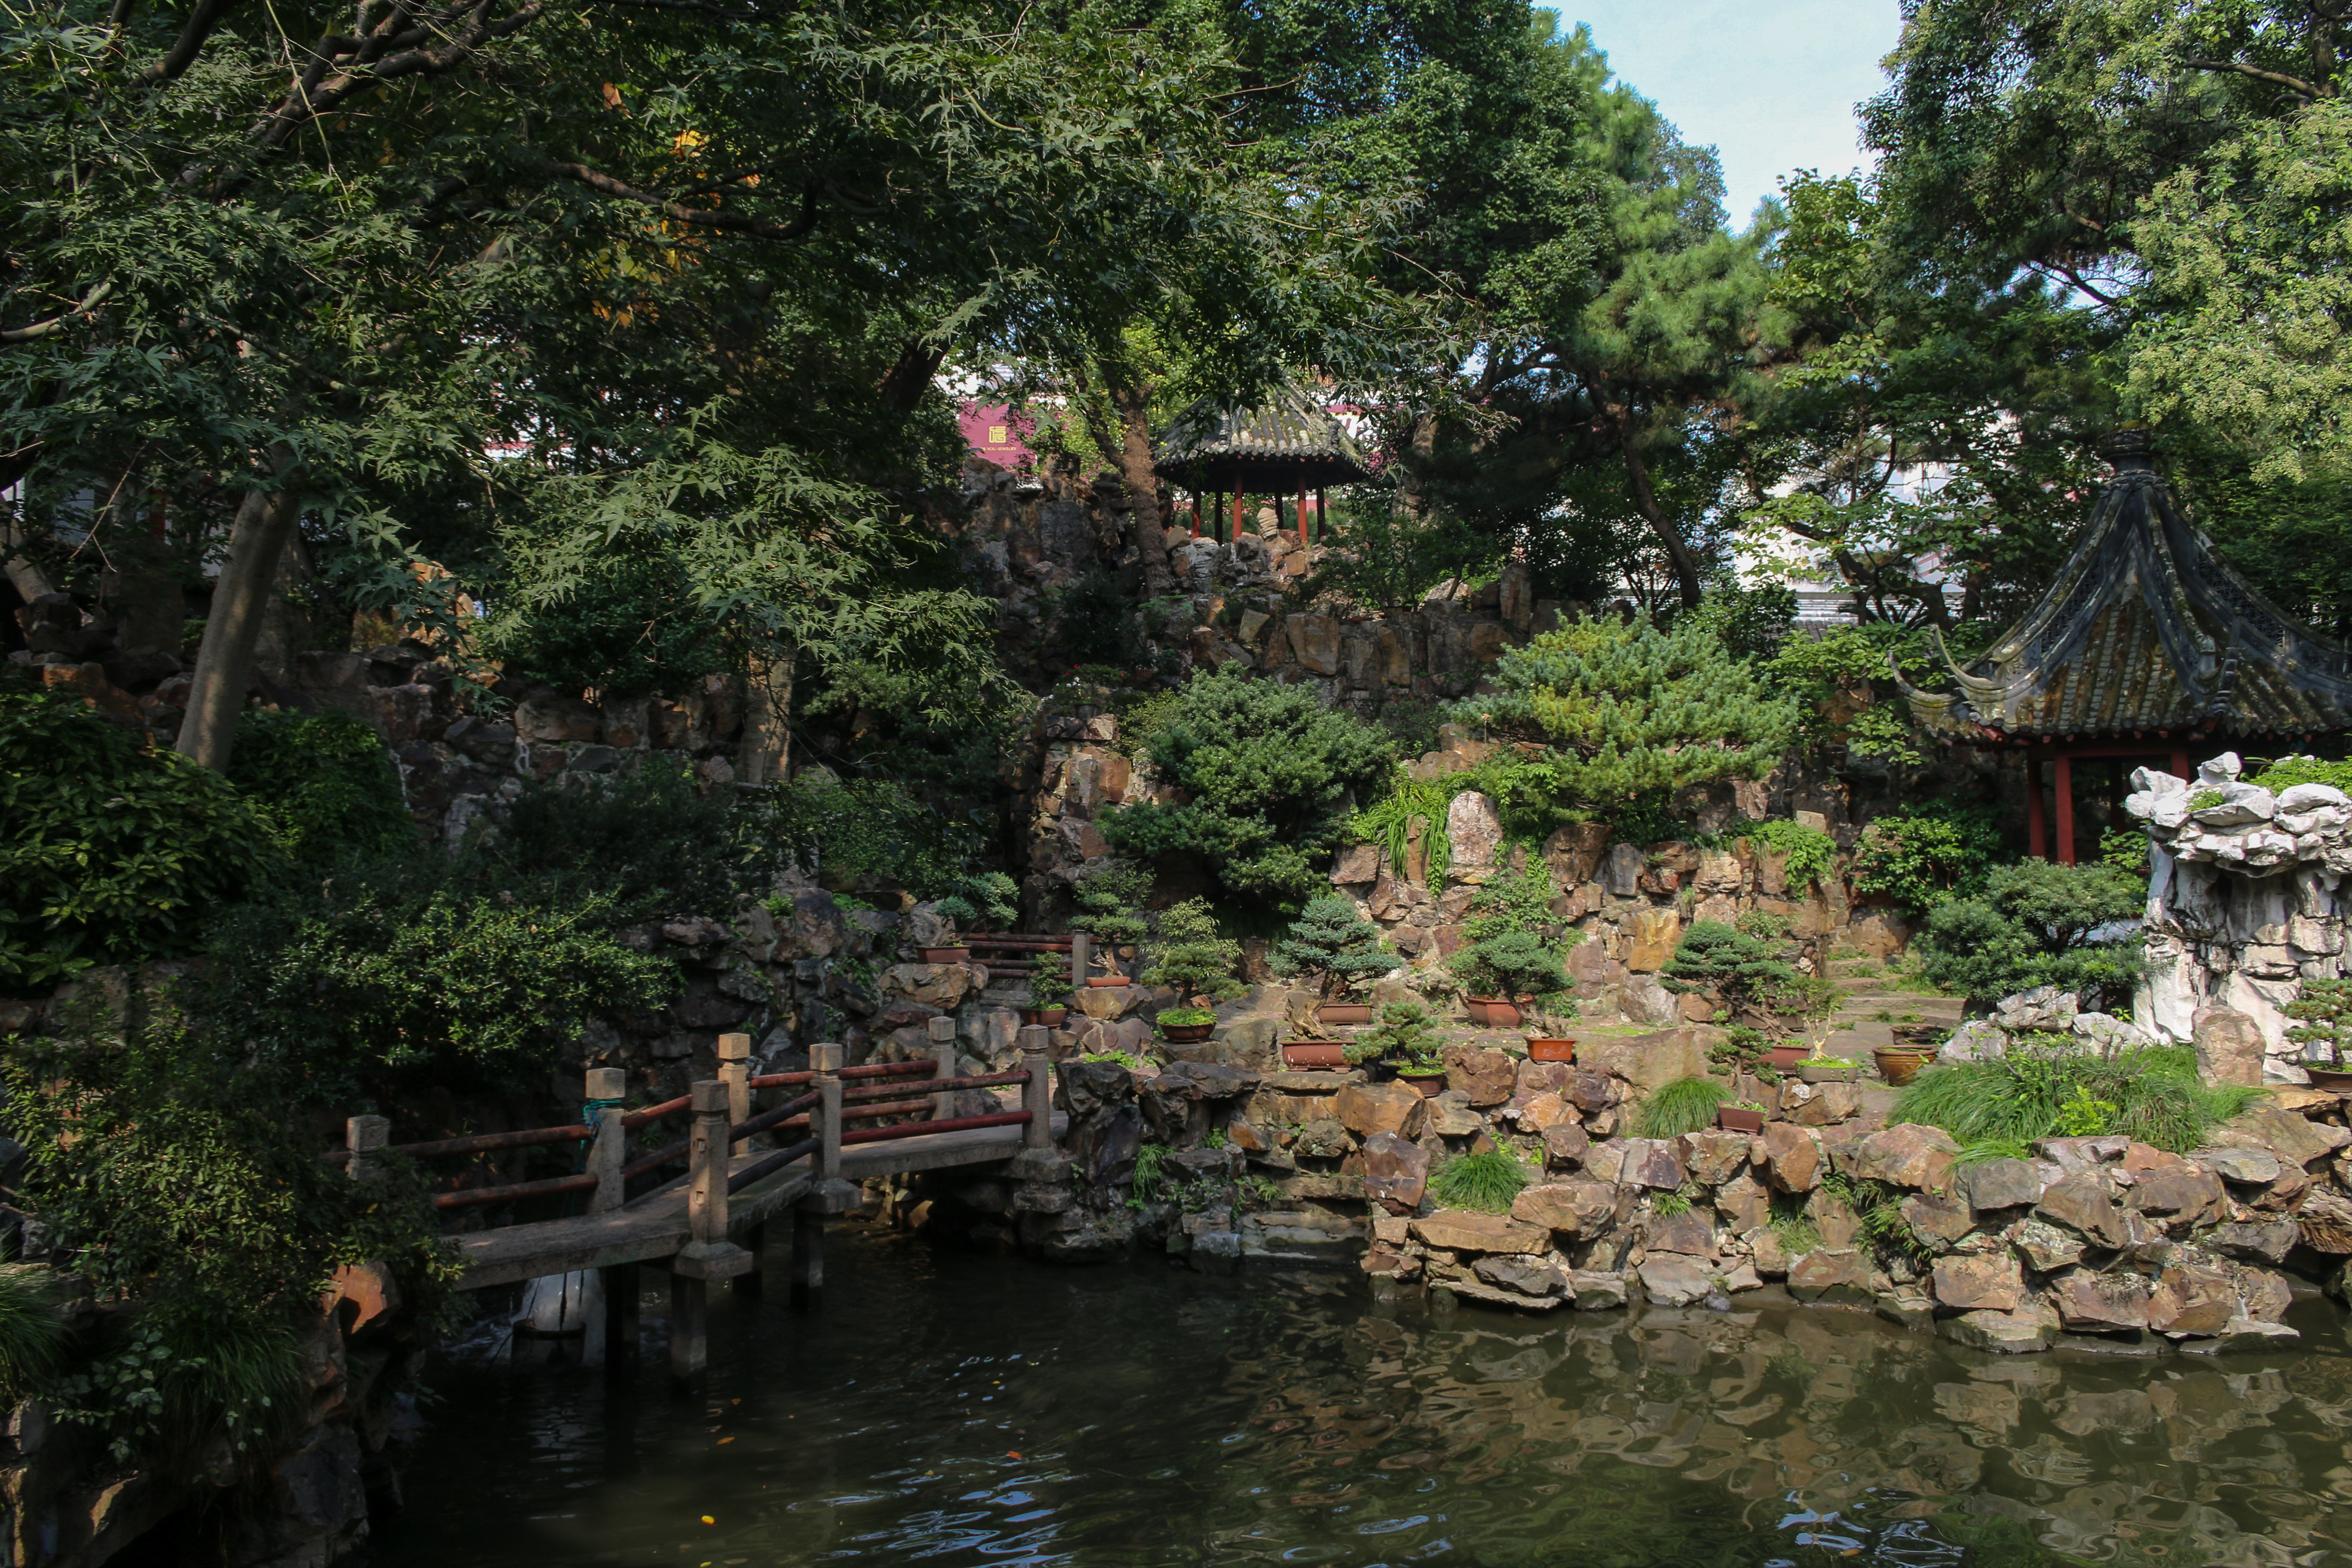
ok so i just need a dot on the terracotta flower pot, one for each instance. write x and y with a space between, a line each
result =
1786 1058
1102 980
947 955
1542 1050
1049 1016
1731 1119
1431 1084
1899 1067
1494 1012
1314 1056
2335 1079
1344 1012
1186 1033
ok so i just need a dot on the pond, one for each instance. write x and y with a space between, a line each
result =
952 1408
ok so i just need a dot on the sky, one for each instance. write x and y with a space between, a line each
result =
1769 84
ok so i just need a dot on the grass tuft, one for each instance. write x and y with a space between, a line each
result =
1685 1105
2053 1088
1486 1181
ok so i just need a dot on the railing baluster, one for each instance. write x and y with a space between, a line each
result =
735 1072
362 1136
707 1254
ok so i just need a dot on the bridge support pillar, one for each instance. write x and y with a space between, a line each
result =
708 1255
808 1256
689 1327
748 1285
621 1287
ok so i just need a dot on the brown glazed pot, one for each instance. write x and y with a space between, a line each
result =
1542 1050
1051 1017
1899 1067
947 955
1731 1119
1430 1084
1186 1033
1314 1056
1344 1012
1494 1012
1786 1058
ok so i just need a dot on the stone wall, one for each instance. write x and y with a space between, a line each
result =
2247 899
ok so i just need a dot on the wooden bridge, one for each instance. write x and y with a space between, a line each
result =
710 1224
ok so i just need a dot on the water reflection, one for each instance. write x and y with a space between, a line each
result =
967 1410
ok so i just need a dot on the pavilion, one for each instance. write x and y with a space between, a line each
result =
2146 646
1284 448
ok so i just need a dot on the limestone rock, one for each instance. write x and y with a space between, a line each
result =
2081 1203
1579 1209
1792 1157
2044 1246
1315 642
1596 1291
1464 1230
1908 1155
1486 1077
1653 1162
1644 1000
2004 1333
1690 1233
2043 1007
2101 1302
2254 1167
1365 1109
1655 934
1984 1281
2001 1184
1676 1280
940 985
1651 1061
2196 1299
1396 1172
1714 1157
1535 1277
1474 828
2229 1045
1565 1143
1573 853
1939 1220
1831 1274
1977 1040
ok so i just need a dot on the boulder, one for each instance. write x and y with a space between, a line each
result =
1653 1162
1644 1000
1541 1112
1714 1157
1908 1155
1450 1116
2105 1032
1980 1283
1831 1274
1621 870
2044 1246
1573 853
1578 1209
2003 1333
1315 642
2267 1243
1771 1258
1107 1003
940 985
2043 1007
1745 1207
2196 1299
1792 1157
2087 1299
2001 1184
2081 1203
2251 1167
1486 1077
1565 1143
1596 1291
1651 1061
1365 1109
2229 1045
1675 1280
2265 1295
1474 828
1938 1219
1654 936
1535 1277
2181 1197
1359 864
1690 1233
1977 1040
1464 1230
1590 1091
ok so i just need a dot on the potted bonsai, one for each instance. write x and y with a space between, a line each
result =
1740 1116
2324 1030
1497 973
956 912
1106 912
1424 1069
1546 1031
1341 950
1192 957
1049 988
1405 1036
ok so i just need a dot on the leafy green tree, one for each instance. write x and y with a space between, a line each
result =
1272 775
1192 954
1333 945
1926 852
323 785
2038 923
1623 708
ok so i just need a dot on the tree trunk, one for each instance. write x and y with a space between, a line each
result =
265 520
26 578
1147 529
763 755
1645 501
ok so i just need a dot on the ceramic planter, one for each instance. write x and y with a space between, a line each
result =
1431 1084
1829 1072
1049 1016
1186 1033
1786 1058
1731 1119
1314 1056
1494 1012
1106 979
947 955
1542 1050
2335 1079
1900 1067
1344 1012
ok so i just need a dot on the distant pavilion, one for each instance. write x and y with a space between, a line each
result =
1285 448
2146 648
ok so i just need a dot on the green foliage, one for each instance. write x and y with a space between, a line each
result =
627 626
1271 773
1926 853
1049 980
2050 1087
2324 1028
1515 964
2032 926
1094 621
2285 773
323 785
1745 1049
1764 925
1187 1017
1685 1105
1621 708
1795 1228
1190 954
1727 962
1336 945
1149 1183
649 844
427 973
32 1336
1405 1033
858 833
1388 821
957 909
1810 850
110 852
183 1369
2124 849
993 899
1488 1181
1670 1206
1752 622
1107 902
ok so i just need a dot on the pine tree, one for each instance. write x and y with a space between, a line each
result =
1330 940
1191 956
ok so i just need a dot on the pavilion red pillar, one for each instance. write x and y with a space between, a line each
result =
2180 769
1303 540
1196 514
1237 519
2037 830
2062 795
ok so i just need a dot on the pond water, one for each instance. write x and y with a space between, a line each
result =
952 1409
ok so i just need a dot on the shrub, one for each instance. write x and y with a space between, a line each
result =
628 624
1388 821
1810 850
323 785
1924 854
1736 968
111 851
2035 924
1685 1105
1625 708
2050 1086
1049 980
1488 1181
2288 772
1107 901
1271 774
2324 1009
649 844
32 1339
1405 1035
992 898
1334 943
1515 964
855 833
1191 956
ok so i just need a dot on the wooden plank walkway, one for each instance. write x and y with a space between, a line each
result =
654 1225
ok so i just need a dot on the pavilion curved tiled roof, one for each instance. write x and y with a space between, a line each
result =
1289 442
2144 634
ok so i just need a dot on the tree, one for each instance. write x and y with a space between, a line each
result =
2036 924
1334 944
1190 954
1616 709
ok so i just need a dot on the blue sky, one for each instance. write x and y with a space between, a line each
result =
1770 84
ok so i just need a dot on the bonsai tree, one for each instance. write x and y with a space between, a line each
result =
1512 964
1191 956
1331 940
1106 911
1406 1034
1551 1018
1729 965
984 901
2037 924
1049 981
